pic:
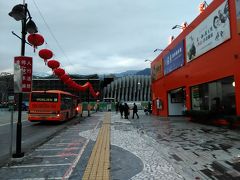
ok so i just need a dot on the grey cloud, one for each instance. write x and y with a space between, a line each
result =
96 35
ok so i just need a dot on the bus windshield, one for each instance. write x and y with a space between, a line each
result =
44 97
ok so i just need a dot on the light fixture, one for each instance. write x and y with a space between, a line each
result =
160 50
233 84
205 3
177 26
18 12
147 60
31 27
183 26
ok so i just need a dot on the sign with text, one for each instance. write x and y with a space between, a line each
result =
22 74
213 31
174 59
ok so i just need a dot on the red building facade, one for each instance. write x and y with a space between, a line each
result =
200 69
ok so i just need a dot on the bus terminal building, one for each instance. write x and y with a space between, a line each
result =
200 69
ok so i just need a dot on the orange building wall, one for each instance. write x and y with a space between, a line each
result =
220 62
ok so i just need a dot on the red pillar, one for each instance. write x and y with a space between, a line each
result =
237 93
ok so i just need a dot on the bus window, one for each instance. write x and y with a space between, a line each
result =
44 97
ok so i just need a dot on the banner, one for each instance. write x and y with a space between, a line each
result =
174 59
238 15
156 70
22 74
213 31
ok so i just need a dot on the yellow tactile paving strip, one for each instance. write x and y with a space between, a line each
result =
98 166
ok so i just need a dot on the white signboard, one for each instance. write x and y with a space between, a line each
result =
17 78
213 31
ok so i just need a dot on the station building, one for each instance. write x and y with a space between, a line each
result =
129 88
200 69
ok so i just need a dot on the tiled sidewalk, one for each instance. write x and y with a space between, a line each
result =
173 148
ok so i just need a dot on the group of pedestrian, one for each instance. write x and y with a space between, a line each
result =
125 110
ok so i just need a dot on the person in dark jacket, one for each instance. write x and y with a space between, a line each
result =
135 110
149 108
126 110
121 109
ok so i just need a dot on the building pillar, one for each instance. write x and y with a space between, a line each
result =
188 98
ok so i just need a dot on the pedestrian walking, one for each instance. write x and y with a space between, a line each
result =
135 110
126 110
117 107
149 108
121 109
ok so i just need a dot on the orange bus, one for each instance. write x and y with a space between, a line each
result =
52 105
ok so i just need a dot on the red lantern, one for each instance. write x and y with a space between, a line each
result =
59 72
45 54
70 85
64 77
97 94
80 88
91 90
85 86
35 40
53 64
69 81
74 85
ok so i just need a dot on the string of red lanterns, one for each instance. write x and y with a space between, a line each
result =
46 54
36 40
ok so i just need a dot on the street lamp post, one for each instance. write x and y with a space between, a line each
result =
20 12
139 88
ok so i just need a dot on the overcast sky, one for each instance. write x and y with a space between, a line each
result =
92 36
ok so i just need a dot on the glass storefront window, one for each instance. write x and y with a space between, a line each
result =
217 96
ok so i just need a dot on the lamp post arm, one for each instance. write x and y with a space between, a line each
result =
20 38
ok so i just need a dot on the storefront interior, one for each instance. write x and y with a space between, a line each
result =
217 96
176 102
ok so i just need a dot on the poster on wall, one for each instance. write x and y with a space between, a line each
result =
238 15
213 31
174 59
157 70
